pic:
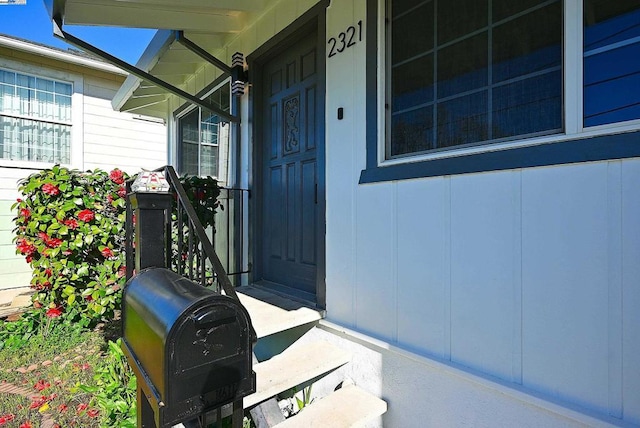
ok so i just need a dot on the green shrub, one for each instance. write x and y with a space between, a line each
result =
70 229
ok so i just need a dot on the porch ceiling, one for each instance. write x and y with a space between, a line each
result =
208 23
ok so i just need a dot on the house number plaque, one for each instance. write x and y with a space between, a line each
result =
346 39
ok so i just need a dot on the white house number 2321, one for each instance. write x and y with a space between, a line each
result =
346 39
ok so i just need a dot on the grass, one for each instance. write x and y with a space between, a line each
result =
66 375
56 366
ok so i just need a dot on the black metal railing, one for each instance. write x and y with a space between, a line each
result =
193 251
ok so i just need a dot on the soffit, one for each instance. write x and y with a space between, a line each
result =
207 23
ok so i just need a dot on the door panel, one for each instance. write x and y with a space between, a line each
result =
290 141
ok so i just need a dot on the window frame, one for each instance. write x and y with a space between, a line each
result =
223 148
77 112
575 144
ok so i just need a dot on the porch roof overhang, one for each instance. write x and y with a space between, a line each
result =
209 24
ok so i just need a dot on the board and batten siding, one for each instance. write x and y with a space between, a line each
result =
529 276
109 139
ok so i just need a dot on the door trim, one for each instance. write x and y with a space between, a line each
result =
312 20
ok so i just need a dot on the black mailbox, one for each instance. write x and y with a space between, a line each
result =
190 348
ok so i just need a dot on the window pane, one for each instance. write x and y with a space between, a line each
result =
463 66
412 83
209 128
62 88
407 43
496 64
612 61
29 140
505 8
26 81
457 18
190 159
209 160
412 132
528 106
522 45
44 85
189 138
7 77
463 120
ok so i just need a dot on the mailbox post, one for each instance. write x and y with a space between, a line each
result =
151 202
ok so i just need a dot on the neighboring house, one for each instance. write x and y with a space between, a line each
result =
456 182
55 107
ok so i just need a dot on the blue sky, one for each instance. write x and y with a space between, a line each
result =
31 22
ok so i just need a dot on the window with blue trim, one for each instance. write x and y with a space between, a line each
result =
467 72
487 85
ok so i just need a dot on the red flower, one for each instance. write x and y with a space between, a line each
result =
122 192
48 272
88 298
62 408
29 258
50 242
70 223
86 215
53 312
81 408
50 189
26 424
109 198
24 212
93 413
116 176
106 252
24 247
41 385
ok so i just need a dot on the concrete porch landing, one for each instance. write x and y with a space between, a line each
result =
272 313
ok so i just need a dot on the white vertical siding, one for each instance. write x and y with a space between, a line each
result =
565 282
376 282
630 220
422 212
528 275
483 233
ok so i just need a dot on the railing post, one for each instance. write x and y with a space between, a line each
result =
152 229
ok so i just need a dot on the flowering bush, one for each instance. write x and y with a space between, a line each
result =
70 229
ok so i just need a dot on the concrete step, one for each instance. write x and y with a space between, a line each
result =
347 407
271 313
293 367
